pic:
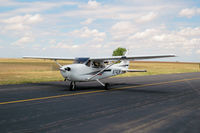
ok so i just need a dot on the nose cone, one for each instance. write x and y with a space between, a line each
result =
65 71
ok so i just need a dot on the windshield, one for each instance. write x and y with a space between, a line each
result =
80 60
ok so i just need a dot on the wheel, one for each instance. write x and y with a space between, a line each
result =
72 86
107 86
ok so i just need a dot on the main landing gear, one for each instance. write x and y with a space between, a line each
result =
72 86
106 85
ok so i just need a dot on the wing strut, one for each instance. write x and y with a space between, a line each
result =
100 82
58 63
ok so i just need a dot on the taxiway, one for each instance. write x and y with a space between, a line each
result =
161 103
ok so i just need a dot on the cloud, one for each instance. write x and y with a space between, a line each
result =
189 12
132 24
87 21
122 30
24 40
31 7
92 4
118 11
145 34
21 22
146 18
26 19
52 41
17 27
190 32
85 32
96 10
198 51
9 3
178 40
64 45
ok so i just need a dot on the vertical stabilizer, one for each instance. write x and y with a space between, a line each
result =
125 63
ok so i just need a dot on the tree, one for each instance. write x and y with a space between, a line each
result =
119 51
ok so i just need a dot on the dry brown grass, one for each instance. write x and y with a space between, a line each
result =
155 68
14 71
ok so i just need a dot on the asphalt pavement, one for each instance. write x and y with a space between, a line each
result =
146 104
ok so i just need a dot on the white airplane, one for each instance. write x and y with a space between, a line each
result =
95 68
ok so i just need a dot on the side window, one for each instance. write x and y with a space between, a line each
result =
88 63
95 64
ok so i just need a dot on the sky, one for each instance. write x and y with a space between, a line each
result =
97 27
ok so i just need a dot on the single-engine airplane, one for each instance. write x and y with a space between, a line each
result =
95 68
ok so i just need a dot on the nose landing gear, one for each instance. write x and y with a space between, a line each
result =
72 86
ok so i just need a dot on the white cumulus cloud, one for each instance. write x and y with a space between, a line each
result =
87 21
198 51
24 40
145 34
85 32
189 12
21 22
190 32
147 17
122 30
92 4
183 41
64 45
26 19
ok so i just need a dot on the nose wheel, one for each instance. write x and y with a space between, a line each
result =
107 86
72 86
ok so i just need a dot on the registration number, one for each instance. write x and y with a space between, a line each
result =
116 71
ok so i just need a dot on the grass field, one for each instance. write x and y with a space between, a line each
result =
15 71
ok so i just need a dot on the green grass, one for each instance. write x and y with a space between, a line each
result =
16 71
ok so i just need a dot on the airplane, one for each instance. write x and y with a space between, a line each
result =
86 69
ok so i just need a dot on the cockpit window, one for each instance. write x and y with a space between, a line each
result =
80 60
96 64
88 63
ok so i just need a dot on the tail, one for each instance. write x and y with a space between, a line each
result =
125 63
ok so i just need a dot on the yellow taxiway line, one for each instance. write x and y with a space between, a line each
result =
89 92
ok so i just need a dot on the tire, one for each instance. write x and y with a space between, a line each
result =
72 87
107 86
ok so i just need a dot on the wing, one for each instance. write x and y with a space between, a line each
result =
132 57
49 58
104 58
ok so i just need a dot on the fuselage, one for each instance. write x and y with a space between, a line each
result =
82 72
